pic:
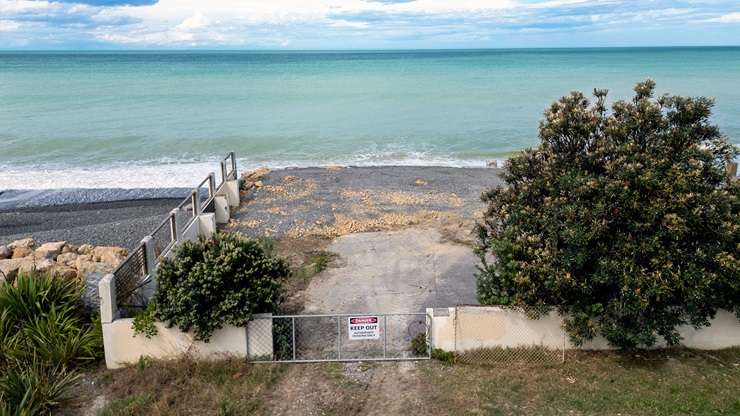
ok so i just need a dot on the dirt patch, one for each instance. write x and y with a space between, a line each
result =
317 389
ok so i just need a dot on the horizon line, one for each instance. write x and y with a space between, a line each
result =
226 49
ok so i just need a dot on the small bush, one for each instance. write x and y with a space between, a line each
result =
444 356
623 220
419 345
143 323
223 280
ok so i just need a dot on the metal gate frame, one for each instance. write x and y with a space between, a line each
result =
339 317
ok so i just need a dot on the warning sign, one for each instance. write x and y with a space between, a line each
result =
363 327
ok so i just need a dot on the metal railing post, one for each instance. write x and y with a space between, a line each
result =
150 257
339 337
173 225
233 164
293 319
385 335
223 171
211 185
195 200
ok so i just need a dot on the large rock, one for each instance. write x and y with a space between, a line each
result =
63 271
110 255
24 243
5 252
85 249
68 259
41 265
85 266
21 252
70 248
9 269
50 250
22 248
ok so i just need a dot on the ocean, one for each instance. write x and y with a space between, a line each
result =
164 119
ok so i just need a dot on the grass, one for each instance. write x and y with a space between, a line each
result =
672 382
189 387
678 382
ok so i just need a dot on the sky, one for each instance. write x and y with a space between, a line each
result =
365 24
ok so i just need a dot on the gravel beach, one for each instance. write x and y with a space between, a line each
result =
292 202
118 223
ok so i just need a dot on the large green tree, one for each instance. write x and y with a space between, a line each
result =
623 220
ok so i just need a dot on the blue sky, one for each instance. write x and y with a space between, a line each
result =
364 24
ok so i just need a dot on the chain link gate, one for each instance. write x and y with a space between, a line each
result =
342 337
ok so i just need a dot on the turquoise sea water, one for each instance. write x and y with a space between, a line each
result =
162 118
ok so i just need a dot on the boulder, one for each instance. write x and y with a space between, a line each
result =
9 269
81 259
70 248
256 174
5 252
63 271
67 259
85 249
50 250
110 255
24 243
41 265
21 252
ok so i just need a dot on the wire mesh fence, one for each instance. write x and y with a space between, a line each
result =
308 338
184 214
130 276
162 237
507 336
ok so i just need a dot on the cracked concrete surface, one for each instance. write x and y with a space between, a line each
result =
394 272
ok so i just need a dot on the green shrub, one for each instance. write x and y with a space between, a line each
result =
622 220
143 323
33 387
44 335
444 356
282 339
219 281
419 345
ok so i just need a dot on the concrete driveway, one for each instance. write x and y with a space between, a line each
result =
394 272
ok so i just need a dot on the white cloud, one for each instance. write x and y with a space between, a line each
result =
338 23
730 18
9 25
196 21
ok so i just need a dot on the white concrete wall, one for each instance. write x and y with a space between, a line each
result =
222 209
122 347
467 328
230 189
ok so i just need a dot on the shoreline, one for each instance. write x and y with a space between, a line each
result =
13 199
110 216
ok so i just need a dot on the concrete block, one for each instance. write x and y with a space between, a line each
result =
222 209
206 225
107 293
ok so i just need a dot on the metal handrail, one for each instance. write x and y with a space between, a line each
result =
171 221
